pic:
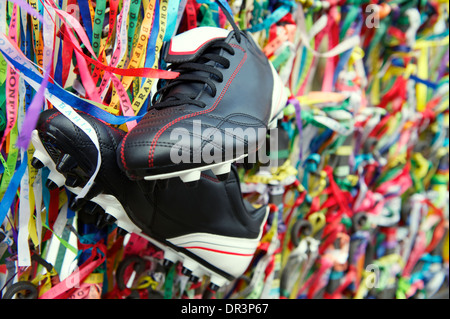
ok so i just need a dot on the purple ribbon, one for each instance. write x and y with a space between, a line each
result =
29 9
32 116
35 107
298 117
443 66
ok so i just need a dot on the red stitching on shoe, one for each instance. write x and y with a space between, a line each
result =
122 154
215 180
120 132
219 251
52 117
162 130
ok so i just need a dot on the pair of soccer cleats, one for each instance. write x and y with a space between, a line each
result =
209 228
217 111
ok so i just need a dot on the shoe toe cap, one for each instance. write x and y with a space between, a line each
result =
149 150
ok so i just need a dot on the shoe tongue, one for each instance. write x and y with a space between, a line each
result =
189 45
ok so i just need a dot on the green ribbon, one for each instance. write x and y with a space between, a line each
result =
98 25
132 22
11 161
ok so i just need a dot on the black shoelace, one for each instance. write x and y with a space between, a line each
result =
198 71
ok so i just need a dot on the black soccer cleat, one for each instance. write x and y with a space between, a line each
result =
210 229
216 112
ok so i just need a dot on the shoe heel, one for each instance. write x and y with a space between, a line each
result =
274 123
228 254
279 99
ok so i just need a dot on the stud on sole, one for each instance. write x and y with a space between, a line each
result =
193 174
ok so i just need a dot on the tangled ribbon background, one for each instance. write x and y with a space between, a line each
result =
359 200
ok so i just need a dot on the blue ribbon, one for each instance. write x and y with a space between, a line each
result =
346 55
71 99
150 57
10 193
273 18
172 13
430 84
86 17
226 6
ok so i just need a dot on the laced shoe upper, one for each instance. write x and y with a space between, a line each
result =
217 109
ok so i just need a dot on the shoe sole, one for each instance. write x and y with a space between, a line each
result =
194 174
279 99
229 256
